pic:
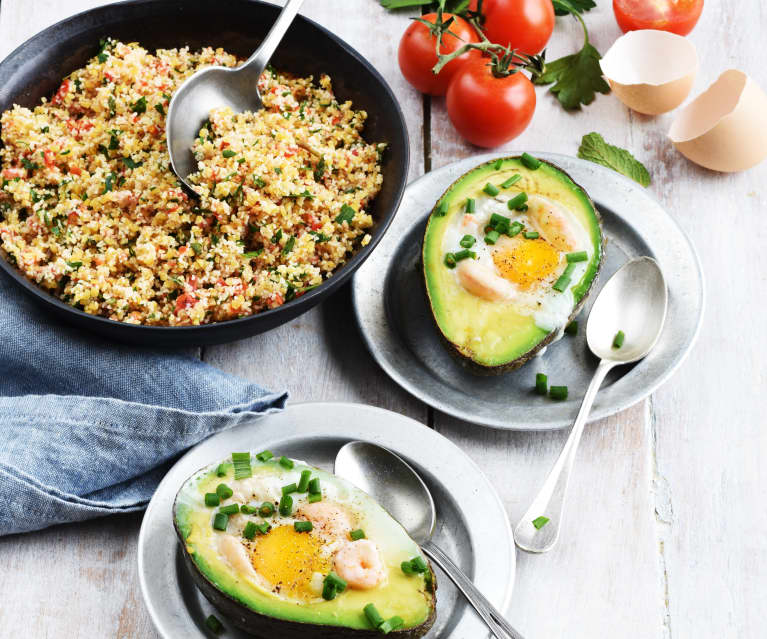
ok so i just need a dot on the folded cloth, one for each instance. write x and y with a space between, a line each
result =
89 427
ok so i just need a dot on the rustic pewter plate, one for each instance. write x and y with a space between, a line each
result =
468 509
390 303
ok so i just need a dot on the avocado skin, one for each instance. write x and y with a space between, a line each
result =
454 349
266 627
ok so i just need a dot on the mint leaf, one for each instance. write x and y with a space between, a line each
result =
577 77
594 149
563 7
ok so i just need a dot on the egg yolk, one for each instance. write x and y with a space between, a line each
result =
526 262
287 559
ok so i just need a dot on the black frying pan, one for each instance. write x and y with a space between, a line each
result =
36 69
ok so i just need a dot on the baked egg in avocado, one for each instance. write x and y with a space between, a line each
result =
284 549
510 253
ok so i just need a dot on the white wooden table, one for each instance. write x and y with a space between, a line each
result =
665 532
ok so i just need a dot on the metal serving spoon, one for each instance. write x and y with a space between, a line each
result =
213 87
398 488
634 301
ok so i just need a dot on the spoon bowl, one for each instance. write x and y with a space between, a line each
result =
218 86
394 484
640 314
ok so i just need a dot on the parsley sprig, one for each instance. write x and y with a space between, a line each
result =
576 78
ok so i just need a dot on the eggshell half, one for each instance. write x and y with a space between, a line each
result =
651 71
724 128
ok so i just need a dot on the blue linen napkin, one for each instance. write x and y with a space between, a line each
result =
89 427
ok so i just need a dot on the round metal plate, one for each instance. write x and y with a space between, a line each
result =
468 510
392 310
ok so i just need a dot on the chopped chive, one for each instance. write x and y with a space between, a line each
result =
471 205
518 200
212 499
286 463
395 622
450 260
511 181
374 617
286 505
558 392
263 528
228 153
221 470
231 509
418 563
541 384
492 237
223 491
354 535
249 532
491 189
564 280
530 162
464 254
540 522
247 509
266 509
338 583
302 526
390 625
289 488
532 235
498 164
497 220
407 568
213 624
467 241
618 339
515 229
314 486
572 328
241 465
314 497
328 591
442 208
578 256
303 483
220 520
561 284
265 455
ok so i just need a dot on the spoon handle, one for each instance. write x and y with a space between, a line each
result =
492 617
258 61
550 501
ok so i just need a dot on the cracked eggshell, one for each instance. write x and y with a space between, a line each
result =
651 71
724 128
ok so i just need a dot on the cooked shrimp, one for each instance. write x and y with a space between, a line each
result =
329 519
482 281
551 222
359 564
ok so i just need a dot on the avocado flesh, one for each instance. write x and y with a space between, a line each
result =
496 336
259 611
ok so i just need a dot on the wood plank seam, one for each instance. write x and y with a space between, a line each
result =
664 512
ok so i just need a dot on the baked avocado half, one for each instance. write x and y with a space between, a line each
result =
287 550
510 252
